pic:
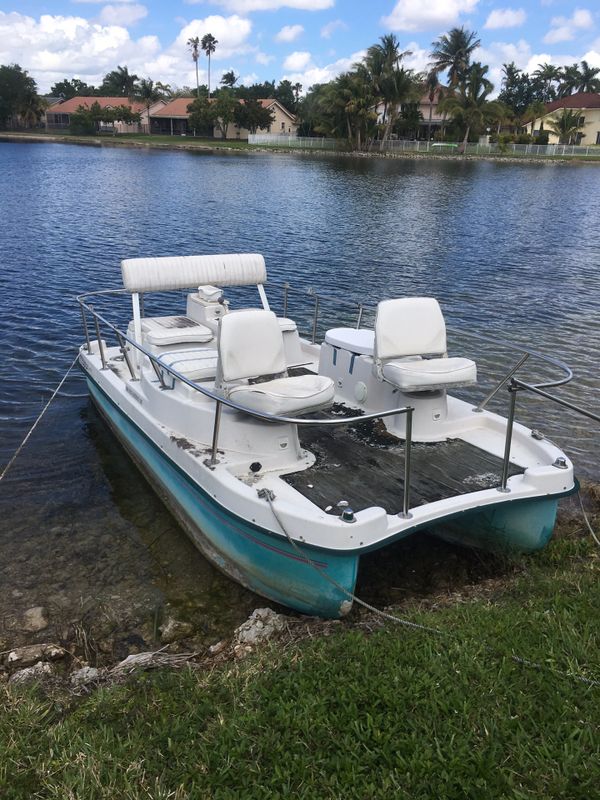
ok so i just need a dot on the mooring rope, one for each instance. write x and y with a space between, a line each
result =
270 497
587 522
35 424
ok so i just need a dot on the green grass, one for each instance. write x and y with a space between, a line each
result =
393 714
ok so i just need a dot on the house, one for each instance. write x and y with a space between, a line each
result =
59 115
431 120
172 120
587 104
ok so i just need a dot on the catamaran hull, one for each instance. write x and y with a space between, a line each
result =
254 557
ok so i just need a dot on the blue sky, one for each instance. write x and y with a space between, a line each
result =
304 40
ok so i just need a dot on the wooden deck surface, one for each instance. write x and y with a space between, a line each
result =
364 465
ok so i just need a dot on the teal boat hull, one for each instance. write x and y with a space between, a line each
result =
260 560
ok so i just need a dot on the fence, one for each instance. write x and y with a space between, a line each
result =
407 146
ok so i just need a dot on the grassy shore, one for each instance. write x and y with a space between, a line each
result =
190 143
364 712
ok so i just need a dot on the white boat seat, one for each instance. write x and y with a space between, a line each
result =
161 331
250 346
286 396
430 373
356 340
408 328
197 365
286 324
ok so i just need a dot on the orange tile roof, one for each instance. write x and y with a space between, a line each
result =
71 105
175 108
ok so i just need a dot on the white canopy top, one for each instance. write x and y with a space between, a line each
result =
185 272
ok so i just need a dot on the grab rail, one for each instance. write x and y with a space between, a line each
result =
224 401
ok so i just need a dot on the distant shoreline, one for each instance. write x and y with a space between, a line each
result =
233 146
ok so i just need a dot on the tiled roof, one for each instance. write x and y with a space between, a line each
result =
175 108
580 100
178 107
71 105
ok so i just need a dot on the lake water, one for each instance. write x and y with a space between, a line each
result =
510 250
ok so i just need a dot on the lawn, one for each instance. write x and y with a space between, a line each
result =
364 713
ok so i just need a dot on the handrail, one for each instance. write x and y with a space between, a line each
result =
226 401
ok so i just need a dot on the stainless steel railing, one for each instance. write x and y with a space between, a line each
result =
221 401
359 309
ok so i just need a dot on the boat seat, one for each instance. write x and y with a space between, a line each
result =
162 331
197 365
250 347
410 347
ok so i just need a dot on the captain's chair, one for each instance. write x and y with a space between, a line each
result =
250 347
410 347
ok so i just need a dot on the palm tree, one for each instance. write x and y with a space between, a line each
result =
566 125
297 87
194 43
588 80
432 88
119 82
535 110
229 79
148 93
469 105
452 52
209 44
389 80
569 81
548 74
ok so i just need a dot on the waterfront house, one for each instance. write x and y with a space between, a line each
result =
173 118
587 104
59 116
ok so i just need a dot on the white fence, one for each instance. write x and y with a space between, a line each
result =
407 146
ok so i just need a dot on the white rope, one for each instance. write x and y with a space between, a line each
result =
587 522
34 426
270 496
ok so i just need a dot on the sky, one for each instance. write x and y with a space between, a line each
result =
306 41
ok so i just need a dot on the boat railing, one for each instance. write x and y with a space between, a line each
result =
159 368
514 384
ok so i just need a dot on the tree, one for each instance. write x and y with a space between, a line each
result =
201 120
229 79
148 93
547 75
285 94
432 88
250 114
534 111
72 88
18 97
570 79
469 106
517 91
194 43
222 110
258 91
209 45
566 125
87 120
391 82
452 53
297 87
588 78
118 82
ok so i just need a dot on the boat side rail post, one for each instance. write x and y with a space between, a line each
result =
85 328
286 290
125 353
405 513
213 460
99 337
512 390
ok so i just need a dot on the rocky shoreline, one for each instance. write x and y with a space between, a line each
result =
94 141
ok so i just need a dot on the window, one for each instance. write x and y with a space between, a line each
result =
581 122
283 126
598 138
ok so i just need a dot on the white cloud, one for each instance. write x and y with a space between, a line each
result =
313 74
289 32
505 18
123 14
263 58
99 2
297 61
335 25
564 29
249 79
231 34
247 6
417 15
